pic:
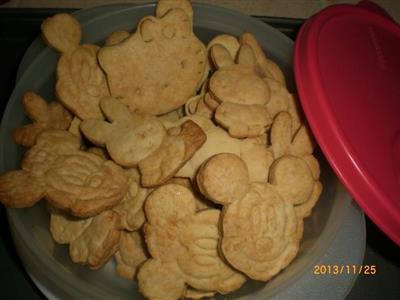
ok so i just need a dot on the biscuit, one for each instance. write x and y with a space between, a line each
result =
176 149
237 82
129 138
116 37
68 178
43 115
259 228
266 67
223 178
131 254
65 228
98 242
130 209
183 246
229 42
80 81
243 120
191 293
259 233
280 97
140 72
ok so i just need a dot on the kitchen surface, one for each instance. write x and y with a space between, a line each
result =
20 26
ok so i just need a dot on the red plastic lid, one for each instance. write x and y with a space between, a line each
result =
347 69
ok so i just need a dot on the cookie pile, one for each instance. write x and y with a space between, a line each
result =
195 171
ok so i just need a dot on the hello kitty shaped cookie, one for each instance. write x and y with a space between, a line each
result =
159 67
260 234
240 93
183 245
72 180
294 165
80 81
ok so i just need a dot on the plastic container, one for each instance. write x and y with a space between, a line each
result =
49 263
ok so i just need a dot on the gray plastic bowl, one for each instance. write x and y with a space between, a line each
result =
49 263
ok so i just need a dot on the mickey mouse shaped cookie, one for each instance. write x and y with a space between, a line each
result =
158 68
80 81
260 230
72 180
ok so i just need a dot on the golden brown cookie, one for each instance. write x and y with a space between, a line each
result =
65 228
259 233
140 72
130 209
131 254
98 242
116 37
223 178
129 138
183 244
236 82
43 115
266 67
80 81
70 179
176 149
243 120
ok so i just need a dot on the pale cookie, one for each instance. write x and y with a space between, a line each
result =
237 82
129 138
259 228
280 97
266 67
100 152
176 149
183 246
201 201
163 6
98 242
65 228
74 129
140 72
80 81
259 233
70 179
230 42
131 254
196 294
258 160
243 120
223 178
284 141
116 37
130 209
43 115
293 179
210 101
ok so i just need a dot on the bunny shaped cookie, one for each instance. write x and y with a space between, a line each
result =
80 81
240 95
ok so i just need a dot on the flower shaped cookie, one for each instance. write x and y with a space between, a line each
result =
183 246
